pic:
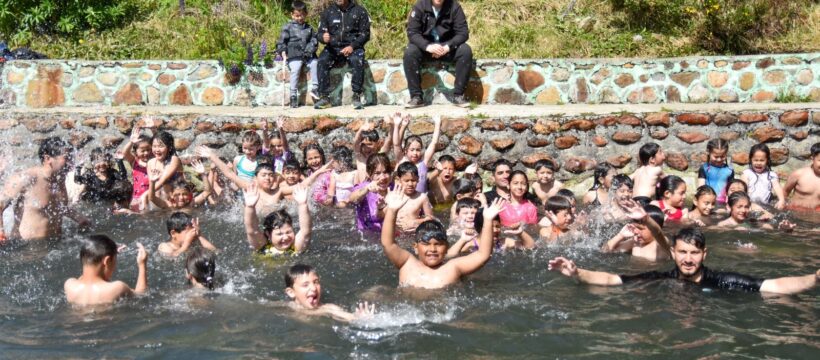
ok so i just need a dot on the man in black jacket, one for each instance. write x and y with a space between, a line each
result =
344 28
437 30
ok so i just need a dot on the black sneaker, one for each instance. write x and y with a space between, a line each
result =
460 101
357 102
323 103
415 102
294 101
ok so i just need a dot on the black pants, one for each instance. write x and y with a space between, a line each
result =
329 57
462 56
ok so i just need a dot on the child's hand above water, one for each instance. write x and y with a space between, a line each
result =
300 194
251 195
198 167
396 198
142 255
280 122
365 310
786 226
564 266
493 210
633 210
204 152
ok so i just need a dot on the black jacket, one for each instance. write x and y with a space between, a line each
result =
298 41
350 27
451 24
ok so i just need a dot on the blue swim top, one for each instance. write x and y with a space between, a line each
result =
717 177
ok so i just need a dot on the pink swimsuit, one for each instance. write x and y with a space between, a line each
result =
676 216
140 176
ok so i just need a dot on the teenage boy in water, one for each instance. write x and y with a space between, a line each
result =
42 194
428 270
805 183
303 287
94 287
689 252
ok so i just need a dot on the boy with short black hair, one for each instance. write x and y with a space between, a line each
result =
303 287
365 141
647 176
805 183
298 44
98 253
441 180
546 185
643 237
428 269
184 230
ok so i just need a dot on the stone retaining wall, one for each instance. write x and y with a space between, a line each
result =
575 143
37 84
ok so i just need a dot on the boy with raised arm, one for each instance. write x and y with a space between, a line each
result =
365 141
98 254
303 287
428 270
184 233
689 252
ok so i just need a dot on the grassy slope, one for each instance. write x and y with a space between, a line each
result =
499 29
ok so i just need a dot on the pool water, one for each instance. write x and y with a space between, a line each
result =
512 308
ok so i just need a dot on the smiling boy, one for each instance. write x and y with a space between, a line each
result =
428 269
302 285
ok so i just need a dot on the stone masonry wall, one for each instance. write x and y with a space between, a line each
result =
50 83
576 144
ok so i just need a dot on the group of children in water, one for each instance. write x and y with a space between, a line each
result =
393 198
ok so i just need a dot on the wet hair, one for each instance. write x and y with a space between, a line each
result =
344 157
655 213
429 230
692 236
373 162
502 162
410 140
737 181
407 168
815 149
276 220
201 265
264 166
178 221
467 203
526 179
737 196
702 190
557 203
475 179
166 139
95 248
99 155
299 6
252 137
544 163
648 151
371 135
669 183
447 159
181 183
463 186
52 147
296 271
600 172
310 147
621 180
141 139
716 144
567 193
291 165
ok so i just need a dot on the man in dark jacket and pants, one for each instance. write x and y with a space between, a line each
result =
344 28
437 30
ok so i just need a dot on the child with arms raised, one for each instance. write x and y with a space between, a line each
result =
647 176
366 140
137 152
412 150
643 237
417 209
302 285
98 254
181 194
428 270
277 236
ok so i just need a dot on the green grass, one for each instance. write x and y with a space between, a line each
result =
791 97
216 29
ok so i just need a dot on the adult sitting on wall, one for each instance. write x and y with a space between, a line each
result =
437 30
344 28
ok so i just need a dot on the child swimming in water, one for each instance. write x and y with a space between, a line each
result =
277 235
598 195
762 181
368 196
245 165
643 237
739 205
671 196
716 172
137 152
303 287
647 176
546 186
181 194
366 140
418 208
428 269
343 177
276 147
184 232
703 203
98 253
200 268
165 166
803 185
412 150
440 181
560 215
